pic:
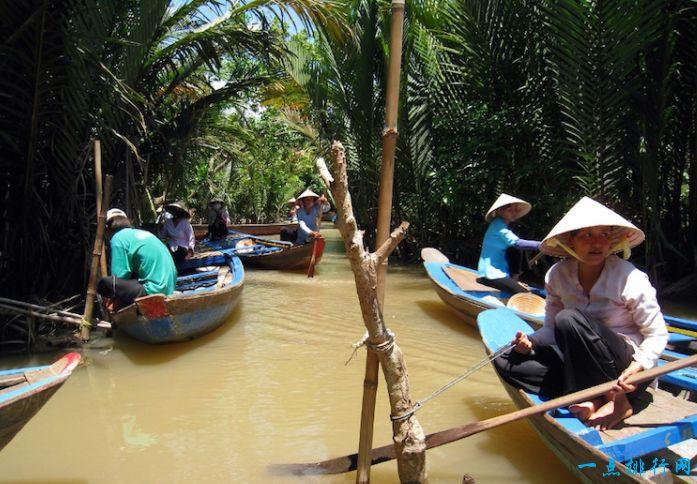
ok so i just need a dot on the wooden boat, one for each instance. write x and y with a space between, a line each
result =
200 230
23 391
265 253
652 433
202 302
457 286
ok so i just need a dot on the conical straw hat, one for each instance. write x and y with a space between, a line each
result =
505 199
177 208
307 193
589 213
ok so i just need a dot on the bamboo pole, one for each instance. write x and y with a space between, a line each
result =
99 195
389 144
96 255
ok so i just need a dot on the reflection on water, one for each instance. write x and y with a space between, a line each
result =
270 386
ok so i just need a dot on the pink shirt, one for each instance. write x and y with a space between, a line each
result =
623 299
179 235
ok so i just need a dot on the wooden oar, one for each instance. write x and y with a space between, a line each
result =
534 260
347 463
317 249
431 254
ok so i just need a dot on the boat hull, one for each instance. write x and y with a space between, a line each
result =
200 230
295 257
497 328
19 403
468 304
176 319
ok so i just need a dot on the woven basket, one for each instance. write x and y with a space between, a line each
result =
527 302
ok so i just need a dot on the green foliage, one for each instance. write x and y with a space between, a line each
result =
138 76
546 100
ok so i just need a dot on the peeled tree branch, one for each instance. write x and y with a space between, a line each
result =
408 436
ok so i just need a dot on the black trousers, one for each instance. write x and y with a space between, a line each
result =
125 291
289 235
179 255
505 284
587 354
517 262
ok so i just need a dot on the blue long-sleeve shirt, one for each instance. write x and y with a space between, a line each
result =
497 239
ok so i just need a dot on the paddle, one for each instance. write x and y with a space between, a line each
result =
317 249
347 463
431 254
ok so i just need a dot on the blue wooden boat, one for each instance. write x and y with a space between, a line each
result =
661 430
23 391
203 301
457 287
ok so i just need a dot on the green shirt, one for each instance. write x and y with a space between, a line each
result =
137 253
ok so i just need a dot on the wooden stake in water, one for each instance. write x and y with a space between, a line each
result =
98 187
389 144
94 268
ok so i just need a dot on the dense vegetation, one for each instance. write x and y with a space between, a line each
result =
544 100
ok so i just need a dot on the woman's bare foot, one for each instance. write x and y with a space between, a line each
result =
612 413
584 410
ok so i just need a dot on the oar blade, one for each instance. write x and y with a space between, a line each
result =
431 254
338 465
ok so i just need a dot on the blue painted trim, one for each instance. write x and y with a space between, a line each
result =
5 397
651 440
685 378
436 271
681 322
13 371
572 424
677 338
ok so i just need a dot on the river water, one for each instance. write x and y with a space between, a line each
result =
270 386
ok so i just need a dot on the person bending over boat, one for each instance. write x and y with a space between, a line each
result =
501 259
218 219
308 214
179 232
140 264
602 320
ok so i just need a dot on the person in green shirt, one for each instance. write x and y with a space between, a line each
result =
140 264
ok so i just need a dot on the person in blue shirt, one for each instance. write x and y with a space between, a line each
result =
501 249
308 216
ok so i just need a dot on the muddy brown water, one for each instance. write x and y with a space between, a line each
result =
270 386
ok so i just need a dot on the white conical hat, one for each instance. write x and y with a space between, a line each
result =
307 193
589 213
505 199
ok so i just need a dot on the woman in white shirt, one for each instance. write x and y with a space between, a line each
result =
178 232
602 320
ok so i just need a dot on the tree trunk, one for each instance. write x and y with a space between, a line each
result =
408 435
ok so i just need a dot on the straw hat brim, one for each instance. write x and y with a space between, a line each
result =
589 213
506 199
177 208
307 193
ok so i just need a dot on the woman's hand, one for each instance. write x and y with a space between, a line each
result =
522 343
621 386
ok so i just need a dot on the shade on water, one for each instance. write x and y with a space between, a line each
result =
270 386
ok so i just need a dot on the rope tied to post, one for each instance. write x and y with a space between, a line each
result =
385 347
454 381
